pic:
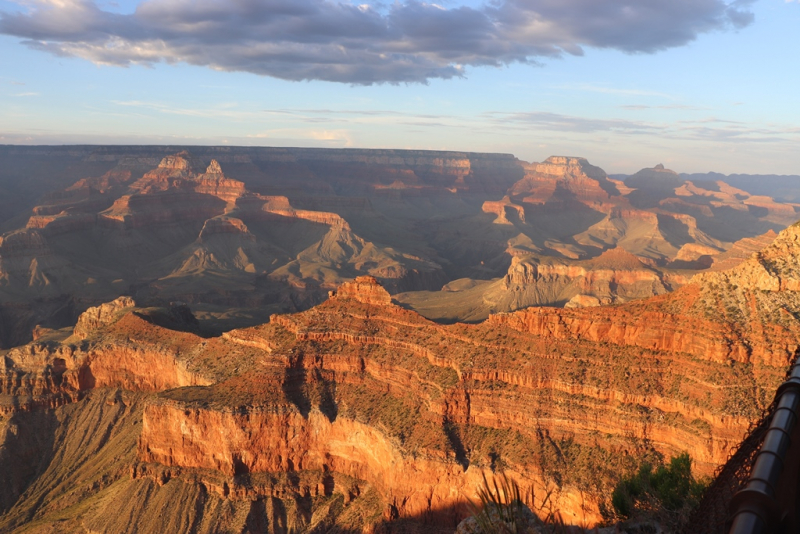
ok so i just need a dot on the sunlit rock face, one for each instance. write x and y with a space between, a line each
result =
303 391
363 402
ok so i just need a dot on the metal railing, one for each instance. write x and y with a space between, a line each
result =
755 509
744 496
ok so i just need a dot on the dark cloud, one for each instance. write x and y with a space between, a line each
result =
331 40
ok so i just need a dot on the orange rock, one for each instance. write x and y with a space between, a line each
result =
364 289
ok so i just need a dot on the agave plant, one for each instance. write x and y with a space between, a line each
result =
502 508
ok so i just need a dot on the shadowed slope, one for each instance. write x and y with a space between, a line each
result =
380 404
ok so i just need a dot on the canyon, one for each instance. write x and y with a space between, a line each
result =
229 339
361 415
241 233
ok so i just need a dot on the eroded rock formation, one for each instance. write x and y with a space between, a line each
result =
149 222
360 400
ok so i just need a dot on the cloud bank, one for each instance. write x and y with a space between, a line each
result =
405 41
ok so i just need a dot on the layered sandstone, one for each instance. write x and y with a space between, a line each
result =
614 276
563 182
142 221
741 251
214 182
129 352
358 411
383 402
364 289
502 209
95 318
743 314
281 206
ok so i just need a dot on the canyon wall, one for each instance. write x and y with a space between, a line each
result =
361 400
359 413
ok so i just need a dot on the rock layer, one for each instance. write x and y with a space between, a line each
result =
139 221
383 402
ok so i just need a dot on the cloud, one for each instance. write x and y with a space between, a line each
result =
705 129
405 41
685 107
222 111
545 120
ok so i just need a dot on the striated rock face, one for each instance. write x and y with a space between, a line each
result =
215 183
358 396
615 276
95 318
142 221
281 206
237 443
357 411
741 251
125 351
503 209
134 369
558 178
744 314
178 162
214 168
693 252
364 289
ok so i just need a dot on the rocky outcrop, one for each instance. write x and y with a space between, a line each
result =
132 368
693 252
655 331
281 206
359 395
127 351
364 289
559 178
615 276
238 443
719 316
96 318
741 251
502 209
657 177
215 183
179 162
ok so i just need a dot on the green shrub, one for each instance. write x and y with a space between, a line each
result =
666 492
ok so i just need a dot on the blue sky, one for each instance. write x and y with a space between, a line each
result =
707 85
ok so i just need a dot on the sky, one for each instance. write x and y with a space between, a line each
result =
698 85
